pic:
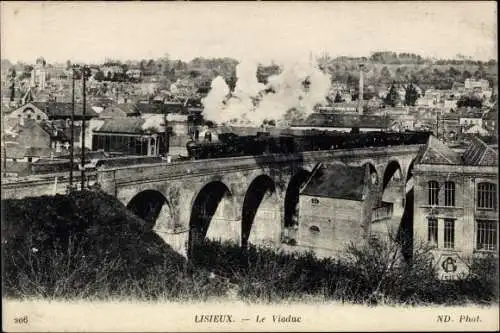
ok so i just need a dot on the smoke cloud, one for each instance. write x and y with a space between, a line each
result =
299 87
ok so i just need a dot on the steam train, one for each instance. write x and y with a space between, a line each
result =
295 141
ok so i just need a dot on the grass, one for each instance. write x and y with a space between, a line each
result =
86 245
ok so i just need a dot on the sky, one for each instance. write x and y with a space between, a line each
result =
257 31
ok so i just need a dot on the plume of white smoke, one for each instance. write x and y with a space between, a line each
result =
214 102
156 121
300 86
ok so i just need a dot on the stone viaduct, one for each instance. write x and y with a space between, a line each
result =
242 199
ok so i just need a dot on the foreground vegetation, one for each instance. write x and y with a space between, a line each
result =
87 245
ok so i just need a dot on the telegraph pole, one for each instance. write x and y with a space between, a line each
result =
72 139
85 73
4 169
437 125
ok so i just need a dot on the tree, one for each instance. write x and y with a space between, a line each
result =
411 95
338 98
13 73
392 97
99 76
469 101
385 75
12 92
26 71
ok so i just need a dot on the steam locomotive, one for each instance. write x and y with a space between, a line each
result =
295 141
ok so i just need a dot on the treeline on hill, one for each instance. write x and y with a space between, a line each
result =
86 245
381 68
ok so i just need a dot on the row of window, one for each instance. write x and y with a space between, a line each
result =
486 235
486 195
38 117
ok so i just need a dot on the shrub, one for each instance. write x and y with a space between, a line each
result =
87 244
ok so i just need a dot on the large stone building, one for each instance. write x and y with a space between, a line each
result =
455 207
39 74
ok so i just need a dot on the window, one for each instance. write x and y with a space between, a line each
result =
314 228
314 201
486 235
449 194
432 229
433 192
486 196
449 233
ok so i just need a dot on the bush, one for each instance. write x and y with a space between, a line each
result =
87 244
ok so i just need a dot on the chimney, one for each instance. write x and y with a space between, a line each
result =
361 84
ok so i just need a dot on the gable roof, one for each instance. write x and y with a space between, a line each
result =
337 181
29 139
436 152
62 109
101 101
119 110
479 153
122 125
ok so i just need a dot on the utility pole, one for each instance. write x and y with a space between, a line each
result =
360 87
72 139
4 149
85 74
437 125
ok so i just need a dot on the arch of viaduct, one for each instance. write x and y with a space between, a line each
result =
243 199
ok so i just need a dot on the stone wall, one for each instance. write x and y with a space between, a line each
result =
338 221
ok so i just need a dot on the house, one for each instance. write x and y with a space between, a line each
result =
60 135
134 73
471 84
129 136
111 70
475 129
403 122
62 110
160 108
449 126
470 117
456 203
28 111
59 113
450 105
490 120
344 122
10 97
335 208
346 107
26 141
100 102
57 74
